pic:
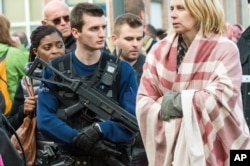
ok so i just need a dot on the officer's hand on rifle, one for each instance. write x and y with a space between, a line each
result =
87 137
108 151
103 148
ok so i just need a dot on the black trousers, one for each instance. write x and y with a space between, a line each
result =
65 159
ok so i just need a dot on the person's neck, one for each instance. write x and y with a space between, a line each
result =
188 38
187 41
66 37
131 62
88 57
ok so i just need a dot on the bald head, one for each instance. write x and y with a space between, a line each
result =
54 6
56 13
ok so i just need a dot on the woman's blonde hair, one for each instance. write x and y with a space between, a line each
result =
209 15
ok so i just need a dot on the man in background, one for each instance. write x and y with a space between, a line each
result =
21 41
150 31
22 37
244 46
138 8
127 39
56 13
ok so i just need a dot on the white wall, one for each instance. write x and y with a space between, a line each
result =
155 14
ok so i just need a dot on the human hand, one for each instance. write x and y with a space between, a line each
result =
103 148
171 106
29 104
87 137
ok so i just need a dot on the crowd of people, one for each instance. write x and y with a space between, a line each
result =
180 85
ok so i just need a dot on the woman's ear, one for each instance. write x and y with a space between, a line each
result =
35 51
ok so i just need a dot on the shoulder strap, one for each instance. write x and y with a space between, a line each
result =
64 64
5 100
100 74
61 63
10 148
4 55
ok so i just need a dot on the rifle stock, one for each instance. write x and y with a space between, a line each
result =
104 107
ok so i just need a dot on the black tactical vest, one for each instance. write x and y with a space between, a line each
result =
67 97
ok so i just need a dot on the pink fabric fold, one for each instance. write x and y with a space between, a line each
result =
1 160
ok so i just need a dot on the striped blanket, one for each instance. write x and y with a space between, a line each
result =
209 80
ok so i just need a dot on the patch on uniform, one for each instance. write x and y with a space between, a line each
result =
43 88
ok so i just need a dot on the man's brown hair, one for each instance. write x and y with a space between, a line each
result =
76 15
128 18
134 6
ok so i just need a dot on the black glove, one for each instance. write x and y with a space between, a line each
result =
171 106
108 151
87 137
104 148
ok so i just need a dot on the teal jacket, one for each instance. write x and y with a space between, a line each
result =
15 62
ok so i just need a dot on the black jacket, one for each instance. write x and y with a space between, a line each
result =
16 114
138 66
70 44
244 49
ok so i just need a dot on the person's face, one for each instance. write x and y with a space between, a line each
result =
93 33
130 41
50 46
182 20
59 18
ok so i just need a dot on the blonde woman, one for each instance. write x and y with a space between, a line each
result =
189 106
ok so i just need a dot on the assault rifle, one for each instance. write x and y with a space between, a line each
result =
89 97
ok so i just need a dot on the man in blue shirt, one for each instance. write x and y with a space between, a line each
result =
128 36
80 136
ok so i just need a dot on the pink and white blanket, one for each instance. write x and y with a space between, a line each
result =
209 80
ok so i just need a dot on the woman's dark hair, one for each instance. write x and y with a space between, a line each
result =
38 34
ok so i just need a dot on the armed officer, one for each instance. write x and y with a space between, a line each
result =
128 36
83 139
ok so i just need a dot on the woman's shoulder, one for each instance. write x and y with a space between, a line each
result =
15 51
3 48
16 55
